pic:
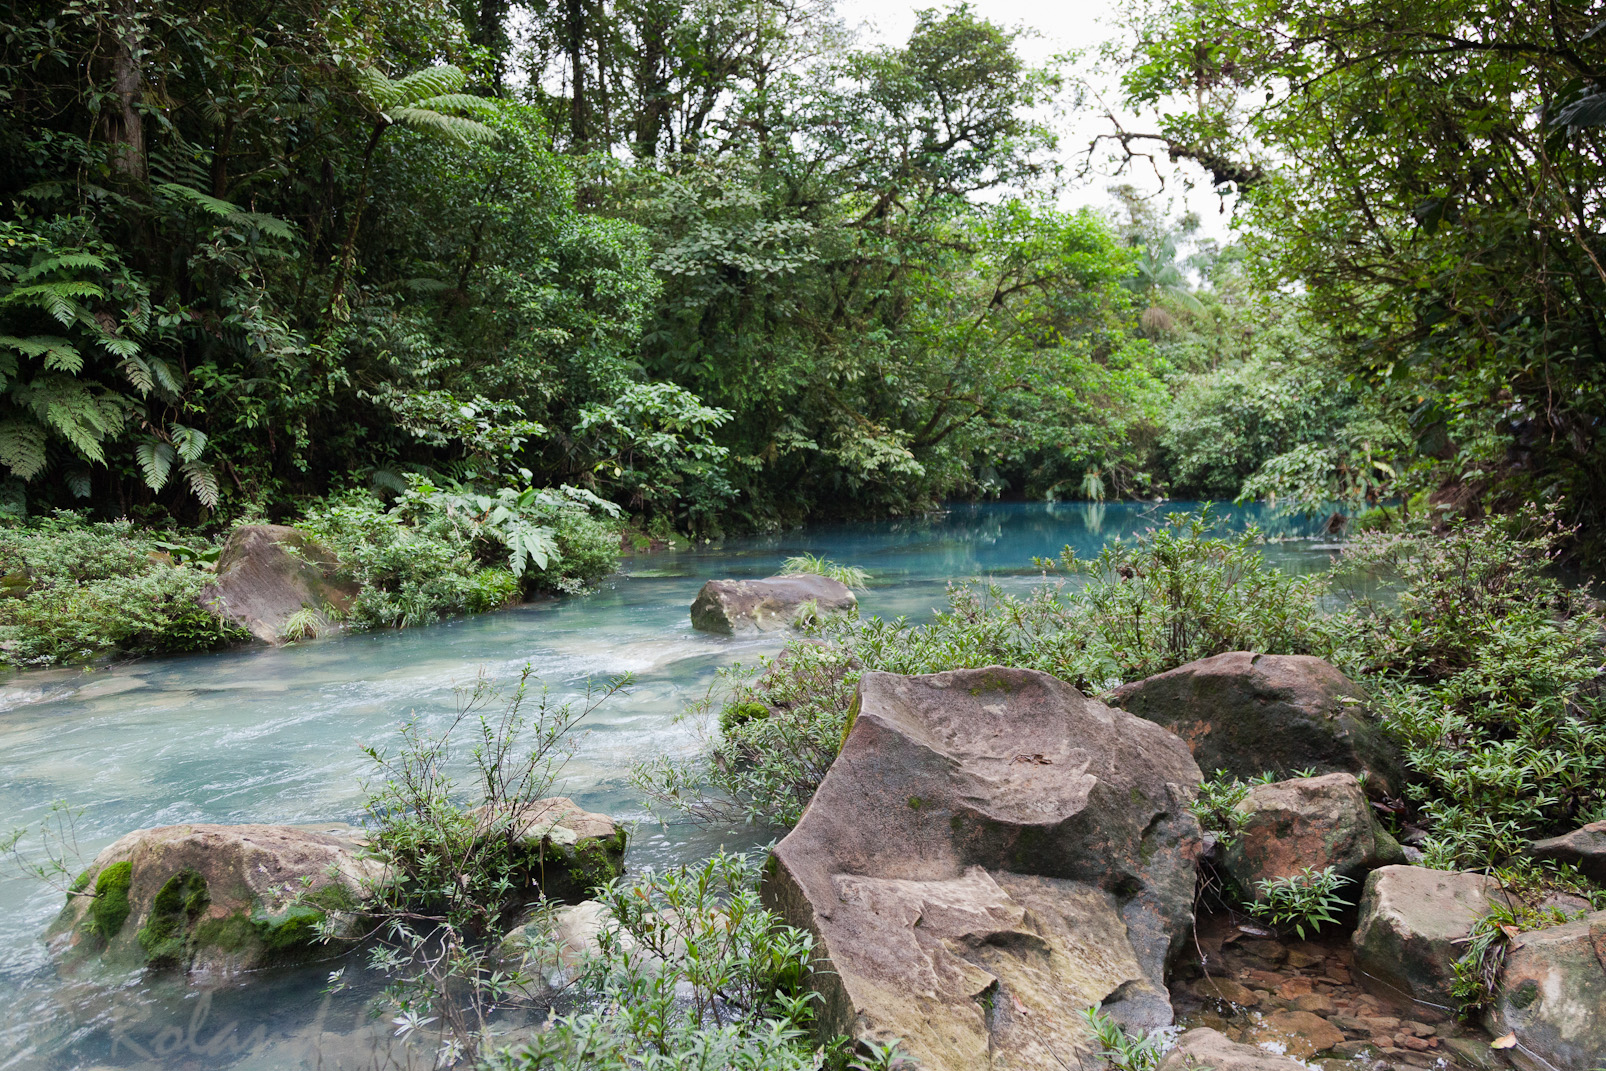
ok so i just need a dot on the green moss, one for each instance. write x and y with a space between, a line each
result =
1525 994
334 897
231 934
296 928
79 884
179 903
914 803
110 908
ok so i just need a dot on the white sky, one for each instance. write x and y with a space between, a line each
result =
1061 27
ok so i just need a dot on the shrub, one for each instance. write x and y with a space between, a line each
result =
1309 898
690 971
454 550
76 590
1484 667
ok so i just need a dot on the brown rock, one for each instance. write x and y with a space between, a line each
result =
1320 1003
1584 848
1265 951
1298 957
1315 822
1411 1042
1421 1030
1302 1034
268 572
1412 929
1224 989
1553 996
1295 987
217 897
995 832
731 606
1249 713
1206 1048
565 850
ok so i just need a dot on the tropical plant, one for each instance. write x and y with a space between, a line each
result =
1309 898
850 576
1124 1051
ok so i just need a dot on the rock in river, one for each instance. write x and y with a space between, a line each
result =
267 573
1414 925
213 897
990 853
1249 713
562 849
731 606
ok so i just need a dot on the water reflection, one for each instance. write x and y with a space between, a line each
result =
272 736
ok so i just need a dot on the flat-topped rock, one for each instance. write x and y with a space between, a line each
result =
1203 1047
217 897
1584 848
1414 923
267 573
1249 714
732 606
991 852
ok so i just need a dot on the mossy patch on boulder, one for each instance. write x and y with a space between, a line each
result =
109 909
178 905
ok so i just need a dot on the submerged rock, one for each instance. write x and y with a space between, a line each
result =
731 606
1204 1047
1413 926
1553 996
563 849
1249 713
214 897
1309 821
1584 848
267 573
991 852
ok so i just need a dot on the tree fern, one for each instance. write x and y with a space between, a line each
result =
203 482
429 101
22 448
155 461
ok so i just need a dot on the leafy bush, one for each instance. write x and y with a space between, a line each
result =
453 550
1216 807
1309 898
691 971
1128 1052
769 756
75 590
1485 669
457 868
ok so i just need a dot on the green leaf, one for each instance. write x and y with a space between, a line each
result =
205 202
155 461
203 482
22 448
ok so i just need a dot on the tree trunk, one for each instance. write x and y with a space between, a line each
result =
125 127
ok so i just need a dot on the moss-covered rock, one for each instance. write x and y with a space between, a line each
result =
216 897
561 848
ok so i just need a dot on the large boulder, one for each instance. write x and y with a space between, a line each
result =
213 897
561 848
1584 848
991 852
1553 996
1206 1048
267 573
1249 713
1308 821
732 606
1414 924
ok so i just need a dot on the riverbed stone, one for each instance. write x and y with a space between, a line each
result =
1553 996
1584 848
216 897
1413 926
1308 821
770 604
991 852
562 849
1203 1047
1249 713
267 573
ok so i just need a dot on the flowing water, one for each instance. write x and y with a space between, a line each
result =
259 735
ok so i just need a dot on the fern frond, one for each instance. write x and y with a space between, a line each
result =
429 82
137 372
56 299
22 448
451 127
79 261
205 202
188 441
163 373
64 358
155 461
78 483
119 347
272 226
203 482
465 103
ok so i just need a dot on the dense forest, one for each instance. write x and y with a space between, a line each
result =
728 267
